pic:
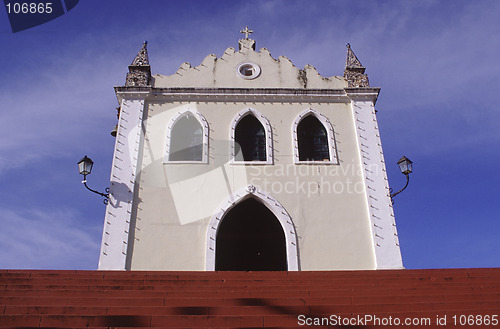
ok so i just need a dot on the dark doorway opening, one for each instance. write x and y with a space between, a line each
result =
250 238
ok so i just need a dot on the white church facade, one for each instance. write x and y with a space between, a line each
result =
246 162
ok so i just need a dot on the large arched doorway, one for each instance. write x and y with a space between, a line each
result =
250 238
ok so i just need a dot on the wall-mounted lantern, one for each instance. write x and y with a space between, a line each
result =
405 165
85 168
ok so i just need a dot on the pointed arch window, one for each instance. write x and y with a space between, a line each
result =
314 139
251 138
187 138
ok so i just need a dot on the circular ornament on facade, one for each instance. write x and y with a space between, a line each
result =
248 70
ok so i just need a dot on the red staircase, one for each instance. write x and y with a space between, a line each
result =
109 299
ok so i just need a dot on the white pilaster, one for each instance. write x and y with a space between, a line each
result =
118 216
383 224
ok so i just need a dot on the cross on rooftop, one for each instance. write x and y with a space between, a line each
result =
247 31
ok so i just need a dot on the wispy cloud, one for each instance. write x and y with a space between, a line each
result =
55 109
47 240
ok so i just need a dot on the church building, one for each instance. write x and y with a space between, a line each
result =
248 163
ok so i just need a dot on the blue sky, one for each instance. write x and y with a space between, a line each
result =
435 61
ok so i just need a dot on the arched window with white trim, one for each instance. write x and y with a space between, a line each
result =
313 138
187 138
251 137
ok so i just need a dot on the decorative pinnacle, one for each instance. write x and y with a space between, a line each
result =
142 58
246 31
352 61
354 72
139 71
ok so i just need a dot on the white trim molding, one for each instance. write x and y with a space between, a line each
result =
204 124
332 148
115 246
188 94
269 135
273 205
382 221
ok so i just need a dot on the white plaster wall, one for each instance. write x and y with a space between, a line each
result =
325 201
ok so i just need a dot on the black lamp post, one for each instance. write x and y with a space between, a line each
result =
85 168
405 167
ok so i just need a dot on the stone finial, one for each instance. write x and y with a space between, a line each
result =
246 43
354 71
142 56
139 70
352 61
